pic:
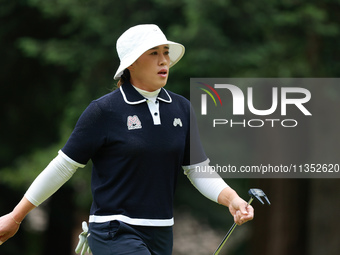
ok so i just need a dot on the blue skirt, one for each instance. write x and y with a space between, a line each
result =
118 238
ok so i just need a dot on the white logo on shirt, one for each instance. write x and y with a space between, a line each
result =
133 122
177 121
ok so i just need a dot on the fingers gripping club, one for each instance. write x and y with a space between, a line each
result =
254 194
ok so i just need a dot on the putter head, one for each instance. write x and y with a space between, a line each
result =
258 193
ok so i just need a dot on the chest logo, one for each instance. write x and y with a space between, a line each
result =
133 122
177 121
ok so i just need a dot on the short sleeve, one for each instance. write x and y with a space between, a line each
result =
88 135
194 152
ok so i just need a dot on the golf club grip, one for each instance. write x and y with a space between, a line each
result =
219 248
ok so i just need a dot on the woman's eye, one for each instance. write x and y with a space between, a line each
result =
156 53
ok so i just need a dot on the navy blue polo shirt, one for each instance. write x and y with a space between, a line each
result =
135 162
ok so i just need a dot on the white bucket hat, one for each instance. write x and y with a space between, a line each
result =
137 40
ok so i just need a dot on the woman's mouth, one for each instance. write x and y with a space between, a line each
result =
163 73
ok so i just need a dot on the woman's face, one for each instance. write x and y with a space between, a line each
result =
151 70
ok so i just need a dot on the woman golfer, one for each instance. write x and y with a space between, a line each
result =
138 138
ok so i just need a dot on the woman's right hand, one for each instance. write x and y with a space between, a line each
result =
8 227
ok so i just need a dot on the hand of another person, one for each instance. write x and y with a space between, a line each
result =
83 245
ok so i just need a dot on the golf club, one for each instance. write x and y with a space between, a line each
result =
253 193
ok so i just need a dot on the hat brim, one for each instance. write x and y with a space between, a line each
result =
176 52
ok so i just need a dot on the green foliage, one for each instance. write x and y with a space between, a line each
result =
73 44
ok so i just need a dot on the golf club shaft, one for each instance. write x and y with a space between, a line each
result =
219 248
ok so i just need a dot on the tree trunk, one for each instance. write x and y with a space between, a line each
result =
303 217
323 221
280 228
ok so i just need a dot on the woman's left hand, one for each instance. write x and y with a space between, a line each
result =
241 211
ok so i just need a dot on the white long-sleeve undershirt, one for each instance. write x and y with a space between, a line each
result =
55 175
208 182
62 168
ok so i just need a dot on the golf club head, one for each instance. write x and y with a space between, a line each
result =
258 193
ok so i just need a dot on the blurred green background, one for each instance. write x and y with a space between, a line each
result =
58 55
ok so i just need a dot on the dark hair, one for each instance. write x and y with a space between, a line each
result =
124 78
